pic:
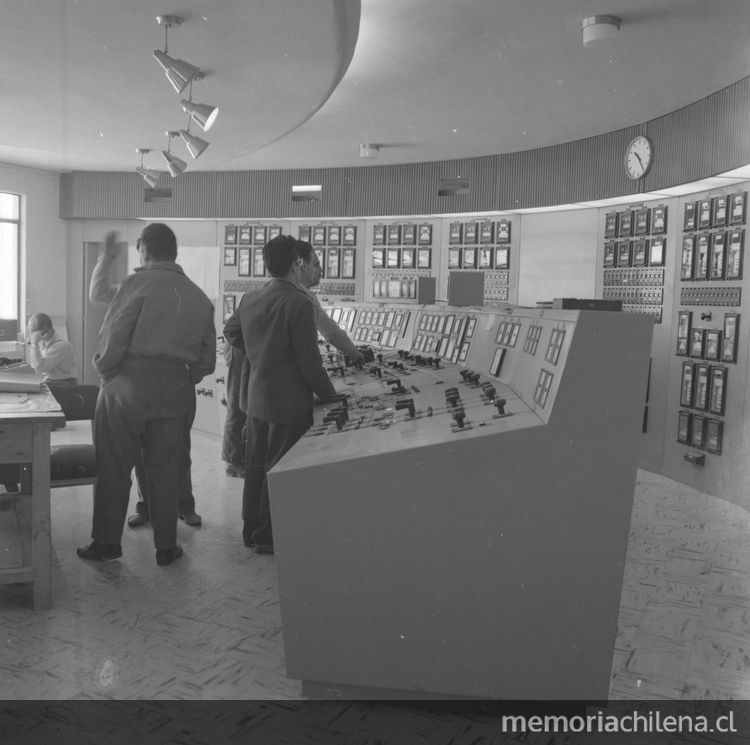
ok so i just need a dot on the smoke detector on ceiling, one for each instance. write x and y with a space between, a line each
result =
600 31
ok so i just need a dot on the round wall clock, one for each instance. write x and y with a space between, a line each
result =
638 157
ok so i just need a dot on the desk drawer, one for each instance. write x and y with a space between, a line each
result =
15 443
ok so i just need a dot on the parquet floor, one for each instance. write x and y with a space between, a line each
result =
208 628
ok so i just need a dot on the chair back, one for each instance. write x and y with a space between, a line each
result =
74 464
78 402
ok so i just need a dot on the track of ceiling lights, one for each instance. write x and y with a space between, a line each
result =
181 75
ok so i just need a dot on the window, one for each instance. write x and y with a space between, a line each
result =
10 224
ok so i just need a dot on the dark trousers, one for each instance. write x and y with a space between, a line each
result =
185 499
267 443
233 441
141 411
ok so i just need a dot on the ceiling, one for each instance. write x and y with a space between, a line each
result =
301 83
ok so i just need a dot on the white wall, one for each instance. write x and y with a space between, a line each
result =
558 256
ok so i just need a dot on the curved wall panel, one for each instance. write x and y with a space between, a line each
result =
712 132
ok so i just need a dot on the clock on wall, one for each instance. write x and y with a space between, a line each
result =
638 157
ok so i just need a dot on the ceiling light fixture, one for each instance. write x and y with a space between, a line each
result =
202 113
175 165
368 151
149 175
195 145
599 31
179 73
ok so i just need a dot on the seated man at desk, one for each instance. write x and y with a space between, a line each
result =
49 354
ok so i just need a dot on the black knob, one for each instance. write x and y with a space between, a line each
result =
406 403
341 398
459 415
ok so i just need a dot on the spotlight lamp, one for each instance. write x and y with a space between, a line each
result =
175 165
195 145
202 113
149 175
179 73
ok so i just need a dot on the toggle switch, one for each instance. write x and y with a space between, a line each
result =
452 396
406 403
341 398
459 415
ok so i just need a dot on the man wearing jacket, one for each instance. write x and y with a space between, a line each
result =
157 341
276 323
102 292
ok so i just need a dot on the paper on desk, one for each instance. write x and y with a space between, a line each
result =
20 382
17 403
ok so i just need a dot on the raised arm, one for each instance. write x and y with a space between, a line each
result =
100 289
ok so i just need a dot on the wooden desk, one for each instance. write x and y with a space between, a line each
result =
25 439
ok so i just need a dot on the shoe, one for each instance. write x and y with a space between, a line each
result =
191 518
264 548
236 471
166 556
100 551
137 520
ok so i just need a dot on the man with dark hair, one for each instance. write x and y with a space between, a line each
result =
233 446
102 291
310 274
276 323
157 341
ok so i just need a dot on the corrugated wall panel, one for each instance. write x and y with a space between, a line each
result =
705 138
94 194
708 137
193 194
268 194
731 134
413 188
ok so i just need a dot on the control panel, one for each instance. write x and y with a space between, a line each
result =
434 503
401 389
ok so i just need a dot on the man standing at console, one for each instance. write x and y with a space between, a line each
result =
277 326
157 341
